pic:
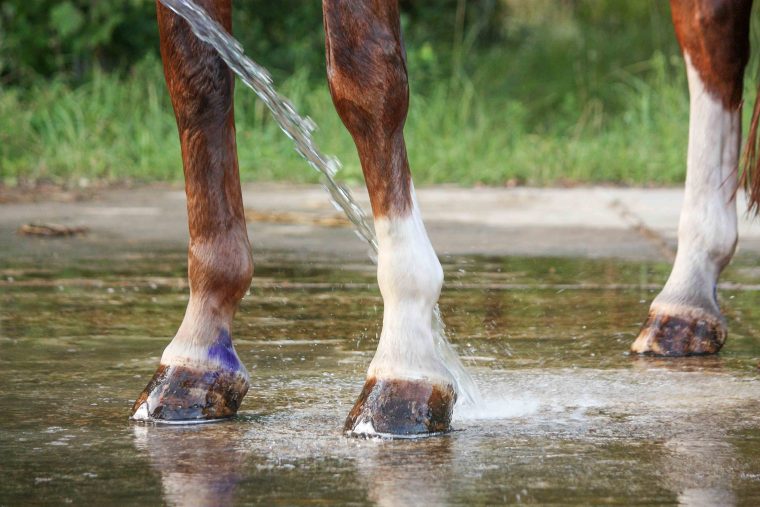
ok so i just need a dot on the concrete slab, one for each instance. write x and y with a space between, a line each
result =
637 224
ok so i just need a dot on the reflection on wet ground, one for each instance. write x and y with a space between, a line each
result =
568 415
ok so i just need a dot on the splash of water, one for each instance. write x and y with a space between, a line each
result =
299 130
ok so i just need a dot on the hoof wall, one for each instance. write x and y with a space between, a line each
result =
673 336
183 395
401 409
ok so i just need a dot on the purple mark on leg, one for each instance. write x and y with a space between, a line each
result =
223 351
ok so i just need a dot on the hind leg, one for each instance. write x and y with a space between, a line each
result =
685 318
408 388
200 376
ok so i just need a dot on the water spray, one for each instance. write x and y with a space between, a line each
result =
299 130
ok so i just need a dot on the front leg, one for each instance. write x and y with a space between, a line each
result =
200 376
684 318
408 390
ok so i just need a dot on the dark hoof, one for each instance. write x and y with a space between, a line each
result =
183 394
666 335
401 408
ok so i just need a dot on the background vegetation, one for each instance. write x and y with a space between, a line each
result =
503 92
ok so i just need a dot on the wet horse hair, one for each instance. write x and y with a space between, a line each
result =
751 160
409 389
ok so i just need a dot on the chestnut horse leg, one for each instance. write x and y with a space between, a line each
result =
684 318
408 389
200 376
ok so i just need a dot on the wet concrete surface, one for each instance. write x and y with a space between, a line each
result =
568 417
632 224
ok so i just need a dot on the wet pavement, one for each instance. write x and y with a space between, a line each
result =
568 416
596 222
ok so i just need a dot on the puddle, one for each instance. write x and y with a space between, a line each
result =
568 415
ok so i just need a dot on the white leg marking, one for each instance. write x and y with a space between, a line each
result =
707 227
410 278
199 331
203 339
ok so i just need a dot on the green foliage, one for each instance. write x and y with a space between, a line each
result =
533 91
115 128
69 37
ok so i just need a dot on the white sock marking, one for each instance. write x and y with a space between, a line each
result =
204 332
707 227
200 327
410 278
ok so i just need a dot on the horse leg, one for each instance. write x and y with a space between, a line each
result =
408 388
685 318
200 375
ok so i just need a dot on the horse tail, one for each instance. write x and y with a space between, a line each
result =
750 178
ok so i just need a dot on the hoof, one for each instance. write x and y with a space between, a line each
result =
401 408
185 394
680 335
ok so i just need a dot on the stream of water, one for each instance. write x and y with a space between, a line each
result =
299 130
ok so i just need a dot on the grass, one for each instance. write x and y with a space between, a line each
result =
576 105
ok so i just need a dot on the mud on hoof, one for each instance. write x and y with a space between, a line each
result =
680 335
178 394
401 408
